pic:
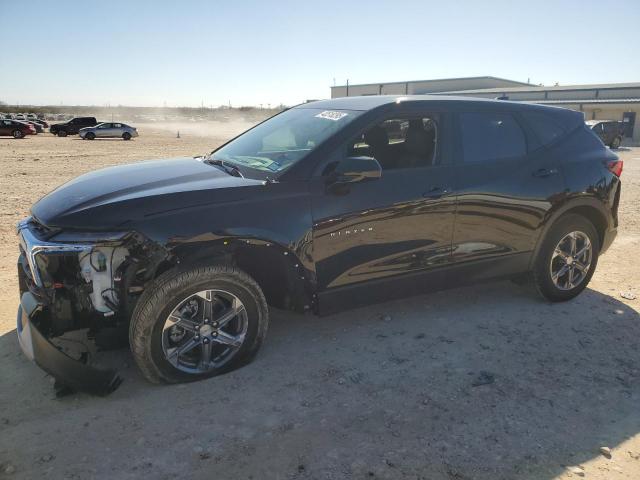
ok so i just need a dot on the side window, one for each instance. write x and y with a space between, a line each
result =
491 136
117 125
545 128
399 142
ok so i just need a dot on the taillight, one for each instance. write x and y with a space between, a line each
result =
615 167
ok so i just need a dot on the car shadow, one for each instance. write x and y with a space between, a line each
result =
120 139
483 382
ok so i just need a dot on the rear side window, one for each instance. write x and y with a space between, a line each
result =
491 136
544 127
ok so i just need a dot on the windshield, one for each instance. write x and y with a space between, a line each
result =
283 140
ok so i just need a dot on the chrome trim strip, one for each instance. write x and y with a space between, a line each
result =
33 246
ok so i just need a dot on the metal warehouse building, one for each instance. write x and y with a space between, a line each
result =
608 101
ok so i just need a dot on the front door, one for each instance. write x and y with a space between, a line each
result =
104 130
396 225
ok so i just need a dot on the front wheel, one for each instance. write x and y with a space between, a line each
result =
126 136
567 258
90 136
17 134
195 324
62 133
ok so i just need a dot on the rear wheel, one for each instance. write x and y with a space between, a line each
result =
567 258
62 133
17 134
126 136
90 136
616 143
198 323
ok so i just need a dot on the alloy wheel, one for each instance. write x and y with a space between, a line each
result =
571 260
204 331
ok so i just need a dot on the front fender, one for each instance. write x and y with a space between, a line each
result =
287 280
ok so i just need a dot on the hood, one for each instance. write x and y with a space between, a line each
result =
114 196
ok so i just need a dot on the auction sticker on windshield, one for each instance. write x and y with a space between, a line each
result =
332 115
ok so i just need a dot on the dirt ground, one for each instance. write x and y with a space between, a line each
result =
485 382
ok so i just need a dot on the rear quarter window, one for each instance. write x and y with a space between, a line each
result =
546 129
491 136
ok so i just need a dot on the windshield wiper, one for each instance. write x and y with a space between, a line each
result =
227 167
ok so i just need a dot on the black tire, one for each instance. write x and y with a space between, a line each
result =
126 136
542 275
615 143
17 134
90 136
167 292
62 133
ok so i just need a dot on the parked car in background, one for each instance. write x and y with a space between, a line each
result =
31 116
108 130
9 116
39 128
15 128
20 116
42 122
73 126
325 206
609 131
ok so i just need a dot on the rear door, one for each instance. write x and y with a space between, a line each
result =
117 130
506 181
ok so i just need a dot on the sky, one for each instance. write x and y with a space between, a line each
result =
191 52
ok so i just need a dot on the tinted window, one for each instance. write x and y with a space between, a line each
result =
399 142
544 127
491 136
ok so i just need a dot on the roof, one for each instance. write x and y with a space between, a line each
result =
433 80
539 88
369 102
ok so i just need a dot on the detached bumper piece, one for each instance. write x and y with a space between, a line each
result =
67 372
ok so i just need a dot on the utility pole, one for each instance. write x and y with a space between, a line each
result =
347 87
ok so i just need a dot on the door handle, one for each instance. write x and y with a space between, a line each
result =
436 192
545 172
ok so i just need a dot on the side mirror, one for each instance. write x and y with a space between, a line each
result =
354 170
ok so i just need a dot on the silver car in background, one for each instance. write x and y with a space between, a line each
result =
108 130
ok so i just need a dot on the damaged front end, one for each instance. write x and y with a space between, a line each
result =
77 291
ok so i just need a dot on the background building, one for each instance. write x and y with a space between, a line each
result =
418 87
608 101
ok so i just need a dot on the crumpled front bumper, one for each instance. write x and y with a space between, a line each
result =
69 372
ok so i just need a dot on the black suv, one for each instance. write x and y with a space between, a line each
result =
609 131
323 207
73 126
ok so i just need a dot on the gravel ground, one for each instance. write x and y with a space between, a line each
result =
485 382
